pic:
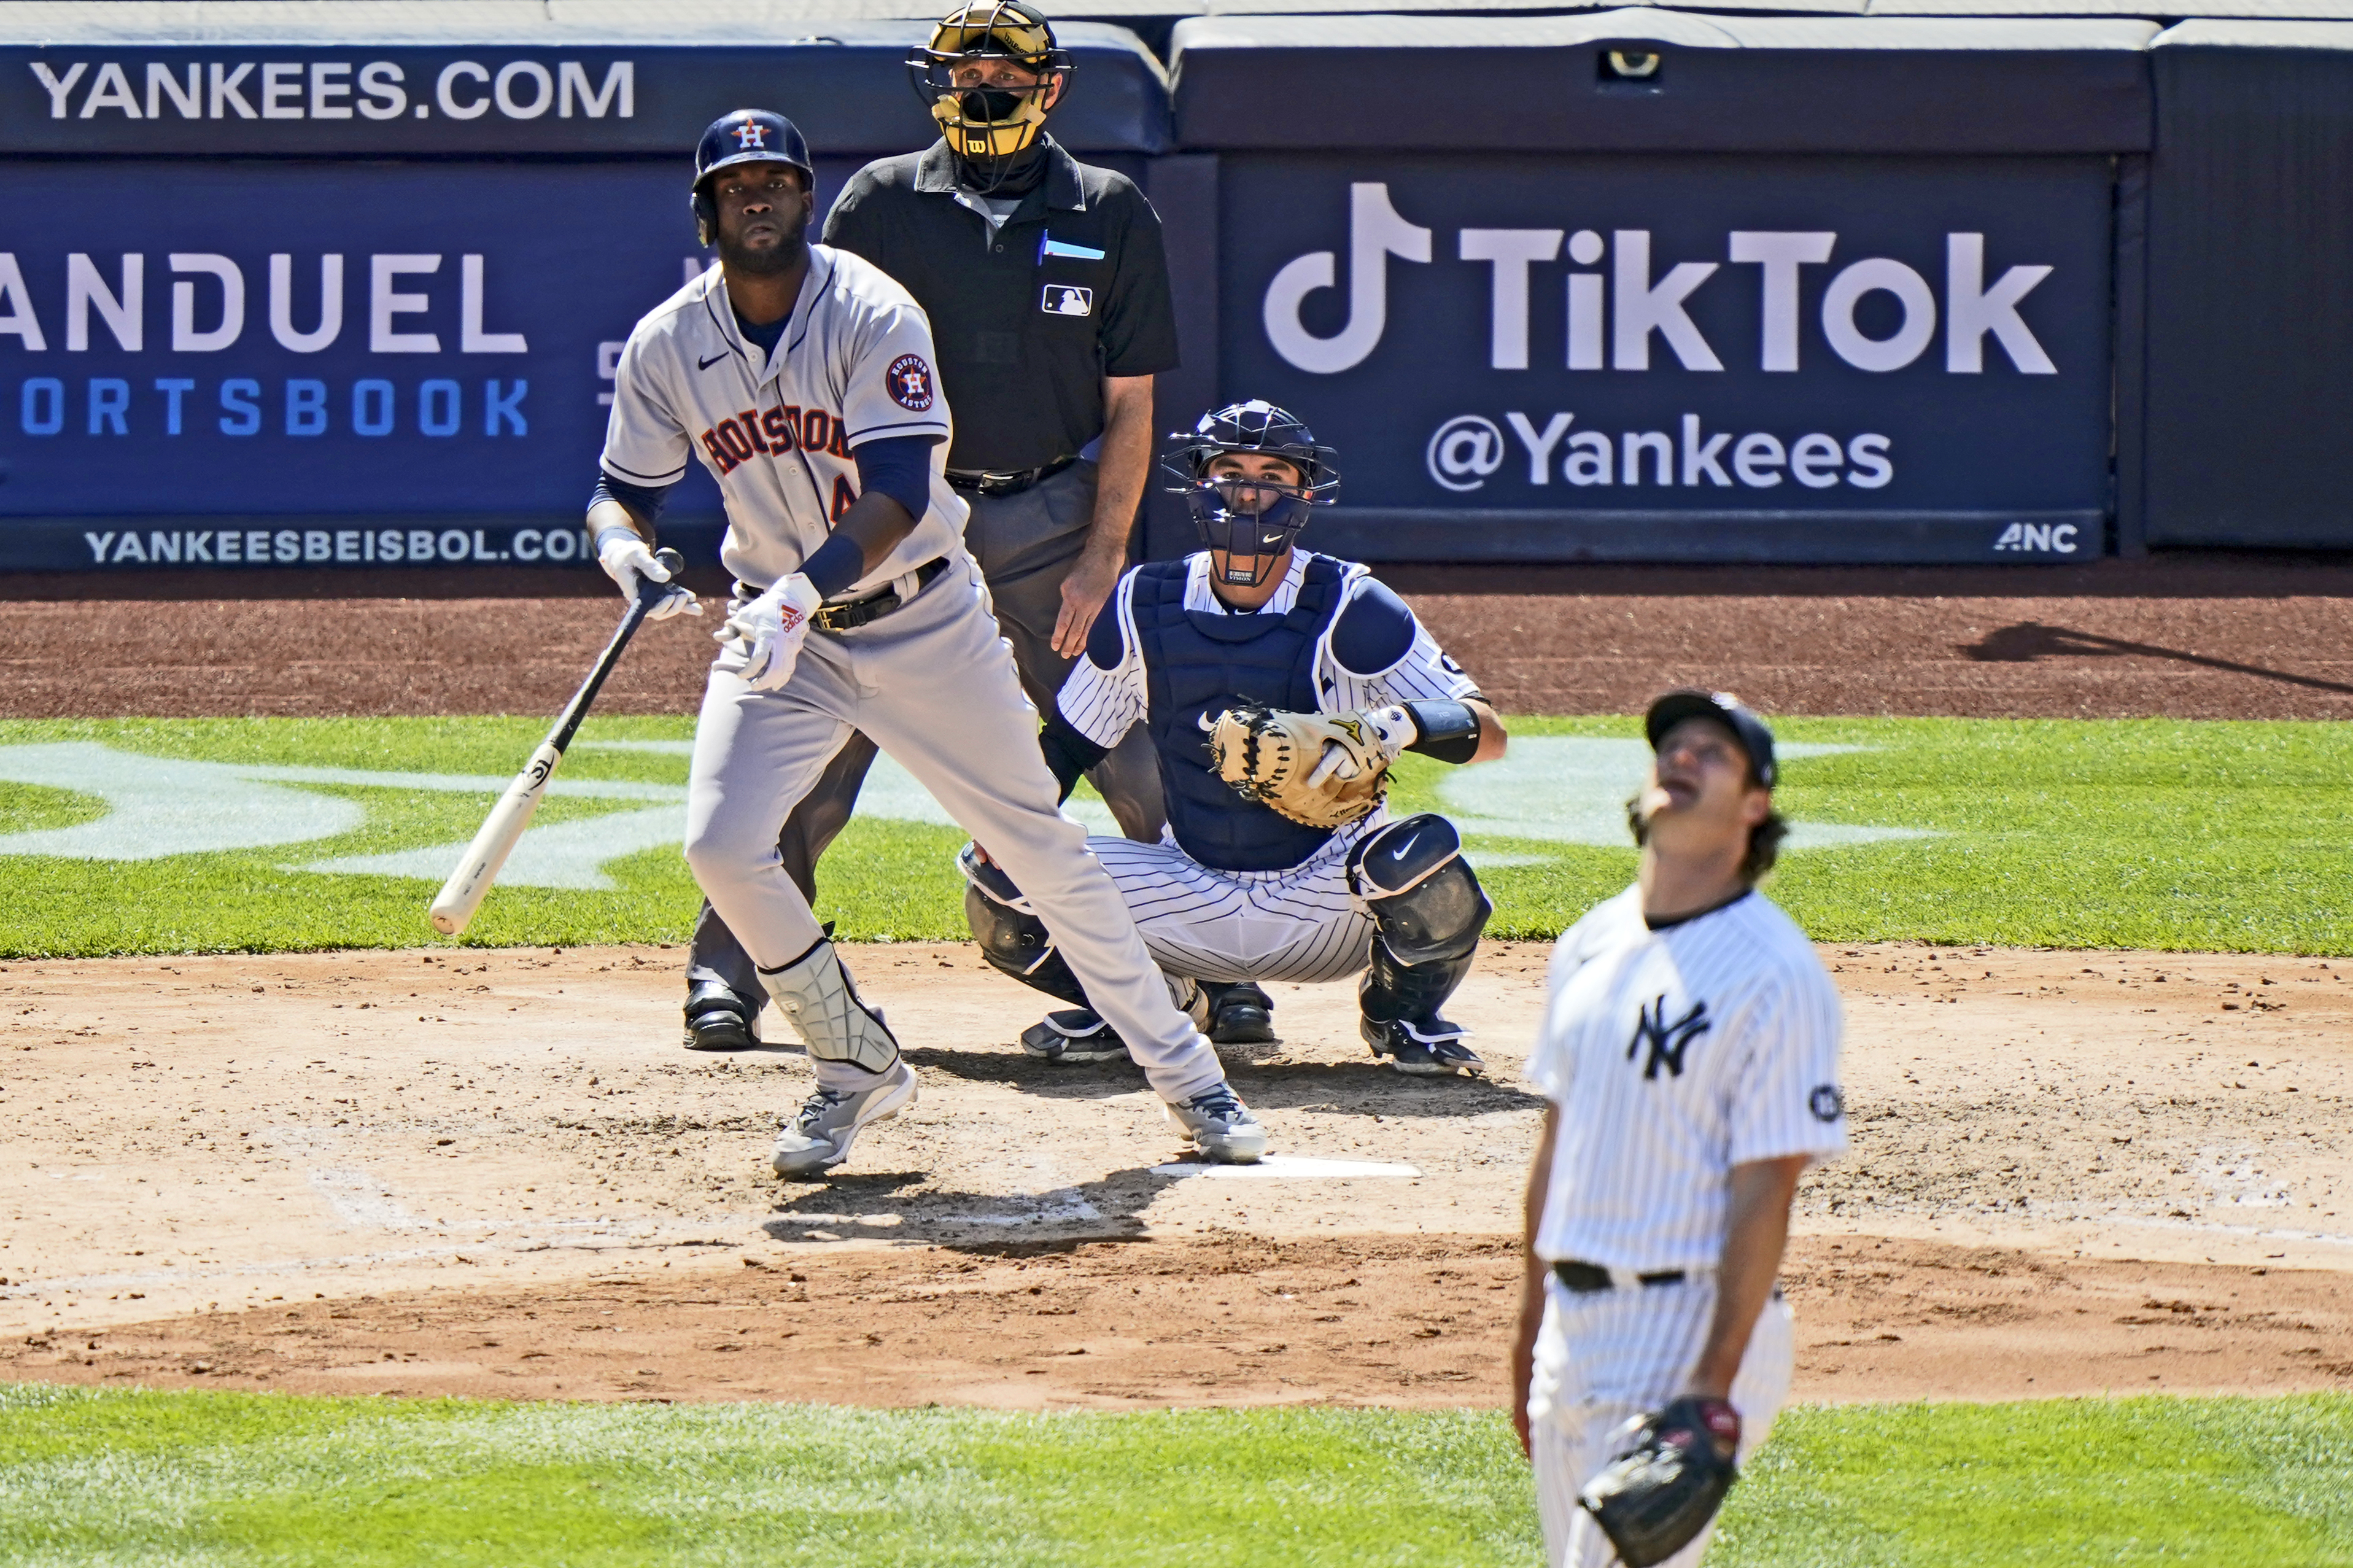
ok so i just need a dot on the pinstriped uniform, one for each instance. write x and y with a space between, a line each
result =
1299 923
1673 1055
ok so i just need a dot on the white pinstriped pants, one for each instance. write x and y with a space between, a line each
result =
1604 1356
1300 923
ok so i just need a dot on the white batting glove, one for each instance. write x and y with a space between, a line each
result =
1390 728
772 629
626 561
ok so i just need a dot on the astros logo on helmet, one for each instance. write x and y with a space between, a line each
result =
751 134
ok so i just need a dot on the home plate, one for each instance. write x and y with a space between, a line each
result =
1286 1168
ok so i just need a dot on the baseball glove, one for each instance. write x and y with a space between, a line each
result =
1278 759
1667 1481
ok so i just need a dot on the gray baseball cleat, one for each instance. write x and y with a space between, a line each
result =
828 1123
1216 1119
1429 1047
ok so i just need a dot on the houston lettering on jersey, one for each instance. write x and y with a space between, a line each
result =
732 442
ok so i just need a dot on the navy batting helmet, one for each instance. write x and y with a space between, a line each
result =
745 136
1253 520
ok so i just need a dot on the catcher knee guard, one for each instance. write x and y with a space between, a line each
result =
816 999
1422 894
1011 936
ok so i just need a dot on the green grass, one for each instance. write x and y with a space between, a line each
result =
2157 834
92 1478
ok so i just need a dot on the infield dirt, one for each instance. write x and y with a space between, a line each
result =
2185 636
495 1172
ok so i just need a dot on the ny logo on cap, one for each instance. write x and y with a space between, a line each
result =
751 134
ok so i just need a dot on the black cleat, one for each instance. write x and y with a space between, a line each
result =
1074 1035
718 1019
1241 1015
1431 1047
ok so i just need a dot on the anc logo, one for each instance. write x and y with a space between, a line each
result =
1826 1102
910 381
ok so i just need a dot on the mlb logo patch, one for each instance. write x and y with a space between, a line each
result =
910 381
1067 299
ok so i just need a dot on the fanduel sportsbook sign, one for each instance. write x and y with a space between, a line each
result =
1824 347
410 349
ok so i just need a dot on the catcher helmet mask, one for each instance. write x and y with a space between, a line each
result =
745 136
989 124
1252 520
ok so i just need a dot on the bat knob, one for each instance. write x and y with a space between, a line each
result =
671 561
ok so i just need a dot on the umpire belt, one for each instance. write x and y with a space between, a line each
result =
1587 1277
1006 481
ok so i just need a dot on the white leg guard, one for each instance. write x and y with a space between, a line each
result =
816 999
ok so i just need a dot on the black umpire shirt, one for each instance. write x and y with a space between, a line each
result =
1072 287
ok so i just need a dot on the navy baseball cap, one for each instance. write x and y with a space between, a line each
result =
1725 709
751 136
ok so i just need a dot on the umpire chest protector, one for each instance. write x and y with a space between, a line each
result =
1199 663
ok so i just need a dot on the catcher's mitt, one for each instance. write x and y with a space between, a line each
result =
1268 757
1667 1481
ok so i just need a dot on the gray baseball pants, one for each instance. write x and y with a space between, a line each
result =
932 685
1024 544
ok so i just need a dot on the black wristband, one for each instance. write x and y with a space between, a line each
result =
833 565
1449 731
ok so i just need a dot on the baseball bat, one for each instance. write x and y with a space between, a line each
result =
470 883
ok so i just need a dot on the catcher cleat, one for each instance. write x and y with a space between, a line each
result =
1241 1015
819 1137
1220 1124
1074 1035
1431 1046
719 1020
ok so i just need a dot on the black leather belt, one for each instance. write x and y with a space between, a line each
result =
1005 481
1585 1277
864 611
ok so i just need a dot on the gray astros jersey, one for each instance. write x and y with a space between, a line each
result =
855 365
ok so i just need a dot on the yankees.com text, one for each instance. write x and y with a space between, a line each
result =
1468 449
333 89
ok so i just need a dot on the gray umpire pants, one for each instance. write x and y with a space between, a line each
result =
1024 544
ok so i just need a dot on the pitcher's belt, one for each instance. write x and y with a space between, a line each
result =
1585 1277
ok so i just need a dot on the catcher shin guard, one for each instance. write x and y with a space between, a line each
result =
1422 892
1429 910
1011 936
818 999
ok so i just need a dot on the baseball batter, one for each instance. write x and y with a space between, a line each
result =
802 377
1690 1054
1266 885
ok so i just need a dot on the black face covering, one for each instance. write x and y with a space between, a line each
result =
1014 176
989 104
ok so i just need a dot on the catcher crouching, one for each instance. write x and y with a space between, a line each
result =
1278 687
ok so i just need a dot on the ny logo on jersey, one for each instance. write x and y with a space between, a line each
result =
1668 1042
751 134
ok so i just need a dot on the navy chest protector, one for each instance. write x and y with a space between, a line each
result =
1199 663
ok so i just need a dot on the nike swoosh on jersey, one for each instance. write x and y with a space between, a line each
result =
707 364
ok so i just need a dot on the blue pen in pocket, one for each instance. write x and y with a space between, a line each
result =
1049 246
